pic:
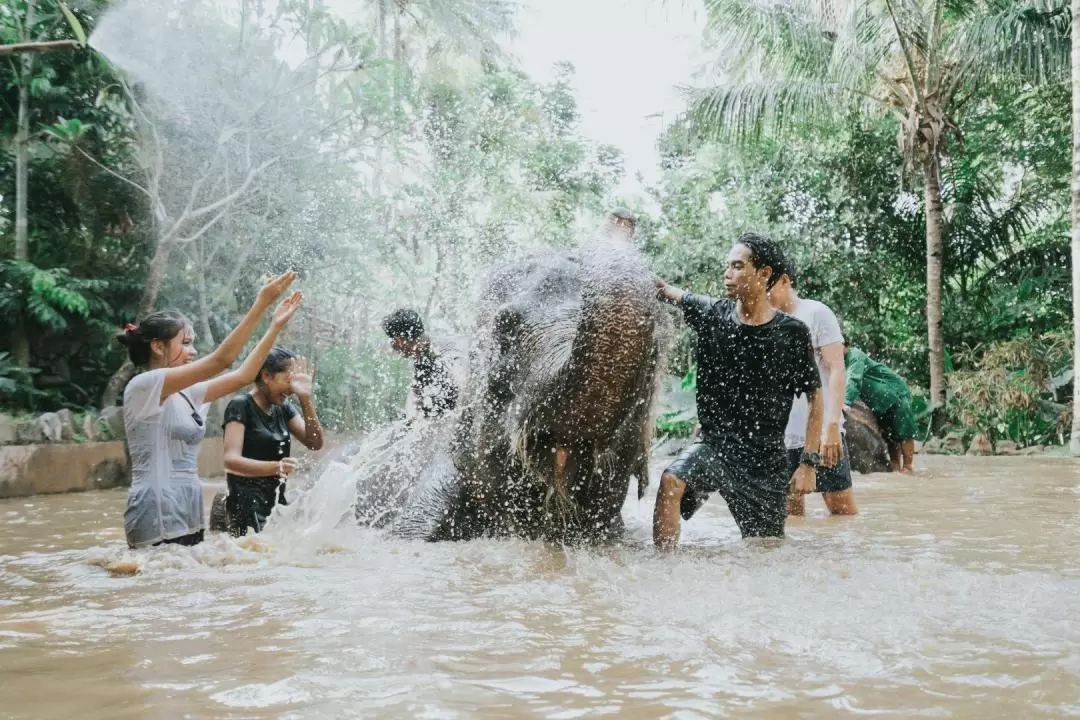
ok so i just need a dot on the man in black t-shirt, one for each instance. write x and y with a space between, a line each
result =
751 360
433 391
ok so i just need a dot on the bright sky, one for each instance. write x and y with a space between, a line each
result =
629 55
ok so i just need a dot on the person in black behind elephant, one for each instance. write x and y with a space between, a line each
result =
433 391
258 447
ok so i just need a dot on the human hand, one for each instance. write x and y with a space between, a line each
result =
832 449
274 288
301 379
287 466
286 310
804 481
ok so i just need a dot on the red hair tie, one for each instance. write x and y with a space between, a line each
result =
131 327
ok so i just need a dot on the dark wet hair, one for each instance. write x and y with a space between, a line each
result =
764 252
163 326
403 323
277 360
789 270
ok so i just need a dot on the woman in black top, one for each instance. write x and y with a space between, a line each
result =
258 446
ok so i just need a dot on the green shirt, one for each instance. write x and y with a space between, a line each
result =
873 383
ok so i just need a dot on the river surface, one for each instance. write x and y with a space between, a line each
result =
956 593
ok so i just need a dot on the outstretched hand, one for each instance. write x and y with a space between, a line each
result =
301 379
286 310
275 288
665 292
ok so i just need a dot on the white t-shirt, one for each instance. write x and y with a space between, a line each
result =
165 499
824 330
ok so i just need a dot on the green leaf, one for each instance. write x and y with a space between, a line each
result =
76 26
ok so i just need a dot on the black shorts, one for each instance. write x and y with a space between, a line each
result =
250 502
758 504
829 479
186 540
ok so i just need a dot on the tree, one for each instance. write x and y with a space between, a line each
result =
919 60
1074 441
31 27
209 148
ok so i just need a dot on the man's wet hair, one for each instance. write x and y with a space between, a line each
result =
789 270
764 252
403 323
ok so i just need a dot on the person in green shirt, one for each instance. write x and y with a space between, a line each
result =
888 397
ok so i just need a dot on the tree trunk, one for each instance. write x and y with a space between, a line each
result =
20 342
154 279
1074 440
934 249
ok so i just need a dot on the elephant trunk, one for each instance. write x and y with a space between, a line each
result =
615 332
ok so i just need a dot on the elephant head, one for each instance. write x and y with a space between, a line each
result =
557 413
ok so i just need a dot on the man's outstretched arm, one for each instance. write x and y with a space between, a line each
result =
667 293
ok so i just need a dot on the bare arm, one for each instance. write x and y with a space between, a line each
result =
232 382
184 376
305 427
813 422
667 293
236 463
833 358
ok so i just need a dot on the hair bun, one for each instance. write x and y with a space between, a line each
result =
127 334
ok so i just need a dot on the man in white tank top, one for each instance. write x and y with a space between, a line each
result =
834 475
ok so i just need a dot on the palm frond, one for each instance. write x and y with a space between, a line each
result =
1029 38
753 108
473 26
780 61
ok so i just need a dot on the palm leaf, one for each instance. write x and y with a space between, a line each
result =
1028 38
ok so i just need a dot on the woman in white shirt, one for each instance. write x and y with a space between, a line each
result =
164 412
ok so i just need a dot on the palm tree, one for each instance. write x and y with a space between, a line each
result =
788 61
1074 443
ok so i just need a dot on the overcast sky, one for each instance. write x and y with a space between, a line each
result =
629 56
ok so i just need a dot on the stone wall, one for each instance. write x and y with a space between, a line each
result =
39 469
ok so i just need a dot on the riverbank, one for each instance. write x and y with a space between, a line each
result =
50 468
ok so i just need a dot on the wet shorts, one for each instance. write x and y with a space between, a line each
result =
759 505
250 502
829 479
898 423
186 540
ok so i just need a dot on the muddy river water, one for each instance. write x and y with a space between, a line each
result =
956 593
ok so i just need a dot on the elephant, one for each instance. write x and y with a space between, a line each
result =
869 451
555 417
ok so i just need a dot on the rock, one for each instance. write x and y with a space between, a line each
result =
52 429
109 474
28 432
90 428
1006 447
953 444
9 427
869 451
980 445
1033 450
67 425
112 422
934 446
